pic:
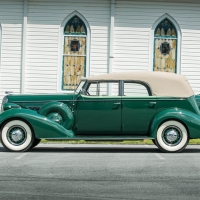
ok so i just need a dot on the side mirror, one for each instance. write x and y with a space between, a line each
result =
8 92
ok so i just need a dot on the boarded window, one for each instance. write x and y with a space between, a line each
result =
74 53
165 47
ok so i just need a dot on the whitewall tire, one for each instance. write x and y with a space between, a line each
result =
172 136
16 135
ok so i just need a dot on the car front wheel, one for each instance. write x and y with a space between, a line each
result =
36 142
16 135
172 136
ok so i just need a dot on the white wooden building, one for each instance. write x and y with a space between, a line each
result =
38 37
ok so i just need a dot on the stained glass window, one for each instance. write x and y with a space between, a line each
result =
165 29
74 53
165 47
75 26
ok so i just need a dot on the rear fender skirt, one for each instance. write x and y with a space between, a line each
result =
190 120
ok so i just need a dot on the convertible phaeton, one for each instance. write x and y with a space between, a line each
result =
110 107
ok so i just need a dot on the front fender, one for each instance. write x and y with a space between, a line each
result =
42 126
189 119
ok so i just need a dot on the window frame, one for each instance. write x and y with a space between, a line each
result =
146 85
87 85
61 46
179 39
120 88
165 38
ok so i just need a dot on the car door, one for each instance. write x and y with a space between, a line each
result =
138 108
99 112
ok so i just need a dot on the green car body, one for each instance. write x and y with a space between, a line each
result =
80 116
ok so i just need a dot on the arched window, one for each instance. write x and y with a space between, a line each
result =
74 53
165 47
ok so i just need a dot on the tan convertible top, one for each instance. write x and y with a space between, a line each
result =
161 83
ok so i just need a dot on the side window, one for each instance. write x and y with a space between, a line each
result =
103 88
92 89
135 89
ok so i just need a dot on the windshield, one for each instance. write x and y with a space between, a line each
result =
79 88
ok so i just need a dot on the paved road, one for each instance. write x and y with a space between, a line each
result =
100 172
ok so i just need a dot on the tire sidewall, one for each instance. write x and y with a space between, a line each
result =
36 142
29 136
180 146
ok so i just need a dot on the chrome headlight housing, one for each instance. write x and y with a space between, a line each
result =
5 100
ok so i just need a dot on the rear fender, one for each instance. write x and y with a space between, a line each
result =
190 120
42 126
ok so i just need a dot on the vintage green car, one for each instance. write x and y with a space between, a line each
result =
110 107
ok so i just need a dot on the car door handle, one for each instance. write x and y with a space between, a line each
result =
116 105
152 104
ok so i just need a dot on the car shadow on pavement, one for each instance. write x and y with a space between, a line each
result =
129 149
104 149
95 149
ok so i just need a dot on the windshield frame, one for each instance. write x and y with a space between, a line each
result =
80 86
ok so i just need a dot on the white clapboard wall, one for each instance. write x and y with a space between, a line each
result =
133 23
11 16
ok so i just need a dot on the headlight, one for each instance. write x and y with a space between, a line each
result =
5 100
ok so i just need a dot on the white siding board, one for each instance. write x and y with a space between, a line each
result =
40 86
41 66
37 56
5 45
47 45
191 69
42 51
7 86
47 77
47 61
8 64
11 48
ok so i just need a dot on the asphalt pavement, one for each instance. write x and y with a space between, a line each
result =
100 172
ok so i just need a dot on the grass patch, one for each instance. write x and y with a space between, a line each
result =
126 142
194 141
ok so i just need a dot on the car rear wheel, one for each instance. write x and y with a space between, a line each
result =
172 136
153 140
16 135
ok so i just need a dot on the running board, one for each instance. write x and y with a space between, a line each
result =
104 138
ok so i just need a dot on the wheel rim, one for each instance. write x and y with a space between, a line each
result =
55 117
172 135
16 135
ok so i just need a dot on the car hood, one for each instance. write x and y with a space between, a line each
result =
35 102
39 97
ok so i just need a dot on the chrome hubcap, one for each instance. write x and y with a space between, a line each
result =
16 135
55 117
172 135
